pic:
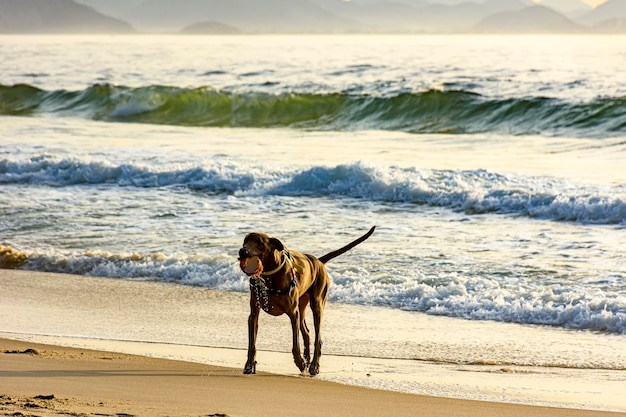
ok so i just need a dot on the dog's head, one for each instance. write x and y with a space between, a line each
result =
268 250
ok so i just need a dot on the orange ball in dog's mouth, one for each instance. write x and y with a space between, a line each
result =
251 266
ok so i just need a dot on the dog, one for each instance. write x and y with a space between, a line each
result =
285 281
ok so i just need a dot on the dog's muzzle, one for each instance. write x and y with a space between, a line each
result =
244 254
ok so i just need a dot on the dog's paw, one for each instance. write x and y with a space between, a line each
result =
250 368
301 364
314 369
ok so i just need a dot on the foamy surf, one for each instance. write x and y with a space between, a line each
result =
470 191
476 298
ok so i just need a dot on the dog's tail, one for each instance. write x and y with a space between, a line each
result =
346 248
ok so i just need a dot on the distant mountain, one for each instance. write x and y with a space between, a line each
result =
534 19
308 16
376 15
55 16
464 16
115 8
334 16
615 25
277 16
612 9
418 15
210 28
570 8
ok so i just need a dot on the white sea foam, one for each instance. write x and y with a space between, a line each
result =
469 191
476 298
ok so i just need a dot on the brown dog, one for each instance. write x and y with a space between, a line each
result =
285 281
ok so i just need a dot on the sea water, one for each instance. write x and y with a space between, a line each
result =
494 167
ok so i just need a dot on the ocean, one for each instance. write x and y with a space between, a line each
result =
494 167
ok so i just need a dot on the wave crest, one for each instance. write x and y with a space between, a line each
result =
431 111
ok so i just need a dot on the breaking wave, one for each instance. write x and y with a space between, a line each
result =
469 191
431 111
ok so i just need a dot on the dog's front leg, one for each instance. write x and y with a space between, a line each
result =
295 327
253 328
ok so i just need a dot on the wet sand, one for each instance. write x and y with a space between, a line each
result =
98 346
48 380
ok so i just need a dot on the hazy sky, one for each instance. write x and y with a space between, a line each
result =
592 3
595 2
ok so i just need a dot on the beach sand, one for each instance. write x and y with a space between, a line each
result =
48 380
92 346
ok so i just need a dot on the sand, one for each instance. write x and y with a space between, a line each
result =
72 345
48 380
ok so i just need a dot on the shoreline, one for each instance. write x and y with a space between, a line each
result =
56 380
207 327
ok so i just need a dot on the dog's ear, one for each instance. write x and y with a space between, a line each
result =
277 244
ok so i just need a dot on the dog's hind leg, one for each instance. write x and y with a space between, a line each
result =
253 328
306 337
318 302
